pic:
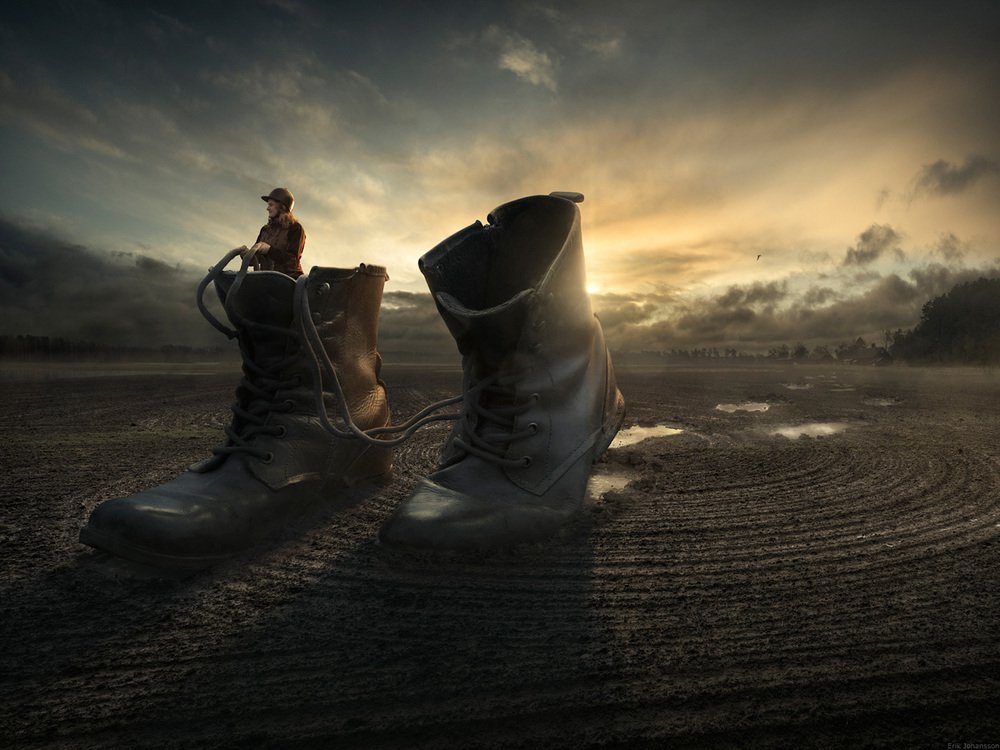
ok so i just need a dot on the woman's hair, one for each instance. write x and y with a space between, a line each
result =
285 218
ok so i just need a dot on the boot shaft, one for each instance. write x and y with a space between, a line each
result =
498 285
344 304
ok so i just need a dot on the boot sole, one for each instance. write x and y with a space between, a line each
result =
115 546
608 435
112 544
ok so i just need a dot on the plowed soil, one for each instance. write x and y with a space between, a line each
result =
825 572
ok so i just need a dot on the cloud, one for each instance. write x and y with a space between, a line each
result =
950 247
756 317
49 114
410 325
873 243
292 7
50 287
816 296
522 58
756 293
606 48
944 178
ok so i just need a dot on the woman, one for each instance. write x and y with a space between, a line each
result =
280 242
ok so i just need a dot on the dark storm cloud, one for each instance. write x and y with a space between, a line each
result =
755 294
617 310
944 178
409 324
873 243
49 287
819 295
950 247
817 316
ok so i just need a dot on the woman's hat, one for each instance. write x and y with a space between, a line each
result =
282 196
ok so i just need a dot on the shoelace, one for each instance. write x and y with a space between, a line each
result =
266 384
495 389
253 415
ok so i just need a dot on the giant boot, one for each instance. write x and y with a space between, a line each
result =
278 461
541 404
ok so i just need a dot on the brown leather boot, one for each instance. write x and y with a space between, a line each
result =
541 403
278 460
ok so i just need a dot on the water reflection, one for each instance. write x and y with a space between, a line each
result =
745 406
809 430
601 484
881 401
637 434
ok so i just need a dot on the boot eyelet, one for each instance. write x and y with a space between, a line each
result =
282 431
526 461
323 288
535 398
533 427
268 458
289 405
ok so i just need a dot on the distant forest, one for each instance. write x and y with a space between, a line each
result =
27 347
959 327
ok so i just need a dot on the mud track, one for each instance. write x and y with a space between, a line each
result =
733 584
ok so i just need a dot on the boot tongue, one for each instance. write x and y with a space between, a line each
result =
264 299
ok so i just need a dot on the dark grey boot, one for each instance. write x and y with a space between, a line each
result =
541 404
278 461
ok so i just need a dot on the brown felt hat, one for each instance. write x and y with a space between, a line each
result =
282 196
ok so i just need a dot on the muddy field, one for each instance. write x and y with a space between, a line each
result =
792 557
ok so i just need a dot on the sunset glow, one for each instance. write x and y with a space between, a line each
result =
721 150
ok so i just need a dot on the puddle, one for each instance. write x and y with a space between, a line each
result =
843 390
810 430
797 386
601 484
637 434
745 406
881 401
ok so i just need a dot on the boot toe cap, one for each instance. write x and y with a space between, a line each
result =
439 518
158 528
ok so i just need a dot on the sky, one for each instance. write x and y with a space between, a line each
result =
755 173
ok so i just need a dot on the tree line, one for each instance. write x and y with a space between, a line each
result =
28 347
960 326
